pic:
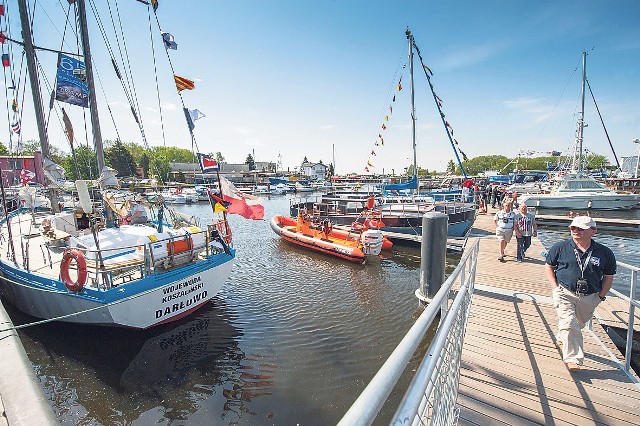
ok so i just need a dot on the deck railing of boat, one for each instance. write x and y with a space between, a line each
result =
106 275
431 396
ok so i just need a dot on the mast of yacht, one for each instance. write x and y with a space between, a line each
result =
578 167
93 105
413 109
35 92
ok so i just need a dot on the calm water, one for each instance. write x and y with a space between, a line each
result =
292 338
626 246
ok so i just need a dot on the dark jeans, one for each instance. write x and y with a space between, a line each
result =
523 244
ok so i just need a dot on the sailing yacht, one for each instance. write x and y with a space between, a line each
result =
85 266
577 190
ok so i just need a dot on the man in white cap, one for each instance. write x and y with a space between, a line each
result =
137 213
580 271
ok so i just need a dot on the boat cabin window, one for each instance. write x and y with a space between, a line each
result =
584 184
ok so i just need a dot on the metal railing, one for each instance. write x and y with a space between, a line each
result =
431 396
633 304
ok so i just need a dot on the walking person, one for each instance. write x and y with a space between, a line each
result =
504 220
580 272
494 196
525 227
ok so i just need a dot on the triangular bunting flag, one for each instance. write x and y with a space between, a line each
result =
183 83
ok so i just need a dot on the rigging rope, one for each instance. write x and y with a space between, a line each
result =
435 99
603 126
155 74
126 82
194 143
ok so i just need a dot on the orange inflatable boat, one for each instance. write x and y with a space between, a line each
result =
319 235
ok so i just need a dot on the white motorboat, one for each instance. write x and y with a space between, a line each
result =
577 190
580 192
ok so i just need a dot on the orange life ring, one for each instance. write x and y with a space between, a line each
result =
81 265
225 231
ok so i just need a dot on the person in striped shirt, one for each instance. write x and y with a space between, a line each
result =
525 227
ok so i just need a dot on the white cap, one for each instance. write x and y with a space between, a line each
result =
583 222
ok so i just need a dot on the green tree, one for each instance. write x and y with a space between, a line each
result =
451 167
219 158
250 161
118 157
595 161
421 172
159 166
3 149
56 155
180 177
87 165
330 171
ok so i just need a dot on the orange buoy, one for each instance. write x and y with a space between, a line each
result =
81 265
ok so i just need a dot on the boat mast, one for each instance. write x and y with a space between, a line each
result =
413 109
333 157
93 106
581 118
35 92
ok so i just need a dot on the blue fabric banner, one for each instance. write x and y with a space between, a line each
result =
71 80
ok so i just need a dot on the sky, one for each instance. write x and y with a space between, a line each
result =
285 80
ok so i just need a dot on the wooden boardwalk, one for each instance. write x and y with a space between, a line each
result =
511 371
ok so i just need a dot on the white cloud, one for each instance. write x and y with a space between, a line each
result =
461 58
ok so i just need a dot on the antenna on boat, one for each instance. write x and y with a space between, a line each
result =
581 124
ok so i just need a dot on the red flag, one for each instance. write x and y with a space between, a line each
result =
1 9
3 37
246 205
5 60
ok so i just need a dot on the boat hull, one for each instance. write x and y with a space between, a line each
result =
153 300
580 202
407 222
285 228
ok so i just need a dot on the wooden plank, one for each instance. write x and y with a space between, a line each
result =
511 370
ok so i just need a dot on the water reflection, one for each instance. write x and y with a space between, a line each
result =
293 337
118 376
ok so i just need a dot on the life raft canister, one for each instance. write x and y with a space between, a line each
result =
370 203
81 265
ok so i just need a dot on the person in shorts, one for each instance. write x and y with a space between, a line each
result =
504 220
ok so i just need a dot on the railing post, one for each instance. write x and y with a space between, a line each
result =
433 254
630 324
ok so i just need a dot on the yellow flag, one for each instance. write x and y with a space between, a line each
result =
217 208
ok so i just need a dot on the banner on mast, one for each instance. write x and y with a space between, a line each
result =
71 86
